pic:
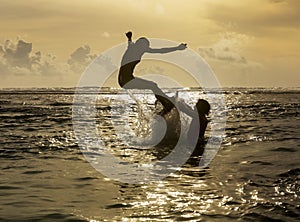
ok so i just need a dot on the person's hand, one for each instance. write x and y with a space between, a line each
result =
129 35
182 46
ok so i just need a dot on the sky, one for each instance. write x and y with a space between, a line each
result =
251 43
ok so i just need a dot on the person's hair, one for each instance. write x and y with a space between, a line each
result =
142 42
203 106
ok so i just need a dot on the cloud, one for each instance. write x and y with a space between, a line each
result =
18 58
105 35
80 58
228 50
254 16
18 55
222 54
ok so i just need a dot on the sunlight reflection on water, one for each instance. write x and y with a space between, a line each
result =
44 176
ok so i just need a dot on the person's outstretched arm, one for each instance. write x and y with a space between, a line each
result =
182 46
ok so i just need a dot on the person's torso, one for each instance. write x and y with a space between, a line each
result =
197 128
132 54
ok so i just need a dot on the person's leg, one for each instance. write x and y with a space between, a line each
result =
166 102
138 83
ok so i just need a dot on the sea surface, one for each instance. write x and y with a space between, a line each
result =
45 177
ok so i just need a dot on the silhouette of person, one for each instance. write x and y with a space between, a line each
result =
198 114
132 57
198 124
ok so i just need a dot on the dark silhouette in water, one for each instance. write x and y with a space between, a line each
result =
132 57
199 113
197 127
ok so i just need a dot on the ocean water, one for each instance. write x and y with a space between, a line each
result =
45 177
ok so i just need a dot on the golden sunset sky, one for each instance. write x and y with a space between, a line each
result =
246 42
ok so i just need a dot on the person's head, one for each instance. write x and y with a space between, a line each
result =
203 107
142 43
